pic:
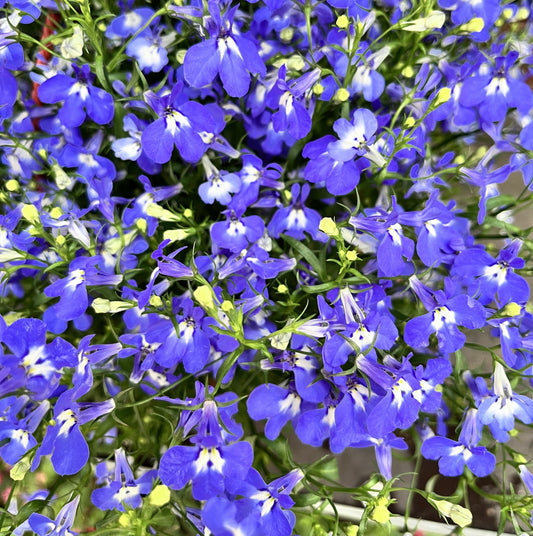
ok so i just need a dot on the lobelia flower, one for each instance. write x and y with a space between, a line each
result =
486 181
79 96
16 435
296 219
493 94
211 468
130 148
219 186
363 331
488 278
292 116
237 231
446 311
340 177
42 363
72 290
130 22
226 52
149 50
123 489
64 439
366 79
44 526
272 501
500 410
356 138
278 405
178 125
395 250
454 455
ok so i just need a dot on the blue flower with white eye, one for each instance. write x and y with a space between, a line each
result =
130 148
226 52
80 98
220 185
42 363
44 526
366 79
64 439
123 488
356 138
272 501
211 468
150 50
296 219
16 435
130 22
454 455
291 116
446 312
500 410
488 278
278 405
340 177
178 125
72 290
237 231
495 93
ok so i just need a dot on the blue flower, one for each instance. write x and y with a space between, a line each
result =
296 219
72 290
226 53
123 489
454 455
64 439
447 311
44 526
179 125
79 96
292 116
237 232
488 278
499 410
210 468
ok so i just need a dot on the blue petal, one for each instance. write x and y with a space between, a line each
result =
70 452
158 141
55 89
201 63
100 106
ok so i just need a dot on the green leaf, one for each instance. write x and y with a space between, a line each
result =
306 253
33 507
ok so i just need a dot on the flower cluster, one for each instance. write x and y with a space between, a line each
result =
219 221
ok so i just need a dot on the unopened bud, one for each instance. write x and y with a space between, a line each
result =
343 22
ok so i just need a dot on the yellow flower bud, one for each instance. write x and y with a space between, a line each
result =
343 22
351 255
56 213
12 185
341 95
329 227
380 513
159 496
318 89
31 214
511 309
474 25
408 72
286 35
444 95
204 296
409 122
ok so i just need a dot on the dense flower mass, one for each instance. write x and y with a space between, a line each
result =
221 221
